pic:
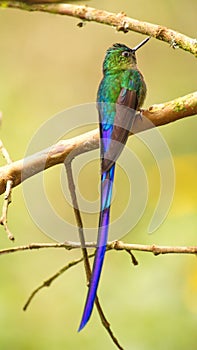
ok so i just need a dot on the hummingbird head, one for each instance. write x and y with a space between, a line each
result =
121 57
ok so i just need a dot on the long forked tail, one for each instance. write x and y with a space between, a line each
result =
106 195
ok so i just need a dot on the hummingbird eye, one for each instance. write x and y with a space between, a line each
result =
126 53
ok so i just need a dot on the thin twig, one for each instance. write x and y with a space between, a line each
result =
6 202
68 245
115 245
5 153
78 218
120 21
51 279
7 195
133 258
155 249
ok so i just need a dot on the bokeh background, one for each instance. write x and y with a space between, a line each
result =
47 64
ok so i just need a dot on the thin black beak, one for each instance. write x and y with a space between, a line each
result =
141 44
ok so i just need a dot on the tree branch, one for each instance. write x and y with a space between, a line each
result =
155 249
51 279
120 21
7 196
115 245
160 114
48 1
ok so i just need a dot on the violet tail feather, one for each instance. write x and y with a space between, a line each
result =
106 195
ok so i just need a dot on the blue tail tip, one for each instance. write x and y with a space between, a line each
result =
82 325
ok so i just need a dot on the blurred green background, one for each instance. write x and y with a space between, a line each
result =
47 64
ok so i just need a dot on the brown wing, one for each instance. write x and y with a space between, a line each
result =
125 112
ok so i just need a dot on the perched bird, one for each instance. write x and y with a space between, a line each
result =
121 93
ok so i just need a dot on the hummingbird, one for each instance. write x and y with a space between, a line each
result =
120 94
